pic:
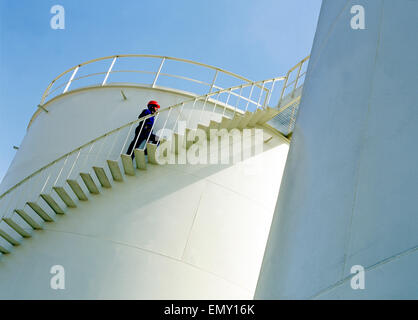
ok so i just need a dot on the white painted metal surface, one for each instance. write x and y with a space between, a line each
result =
158 235
157 221
348 195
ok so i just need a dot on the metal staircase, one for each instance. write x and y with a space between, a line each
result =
78 175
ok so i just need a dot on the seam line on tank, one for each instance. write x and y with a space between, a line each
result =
329 34
382 262
155 253
258 202
193 222
347 245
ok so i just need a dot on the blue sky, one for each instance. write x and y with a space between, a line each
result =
257 39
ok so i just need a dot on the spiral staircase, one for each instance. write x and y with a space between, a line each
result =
60 185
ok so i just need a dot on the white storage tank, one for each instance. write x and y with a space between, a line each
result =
140 230
346 220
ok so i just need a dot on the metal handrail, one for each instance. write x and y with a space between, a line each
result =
202 97
132 71
257 102
298 67
52 88
115 57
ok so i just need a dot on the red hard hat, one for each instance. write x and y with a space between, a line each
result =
155 103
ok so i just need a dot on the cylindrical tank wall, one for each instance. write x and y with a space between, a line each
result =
170 232
348 195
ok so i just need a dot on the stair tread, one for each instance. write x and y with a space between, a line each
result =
52 203
102 176
115 170
5 246
127 163
21 223
75 186
65 197
41 212
29 220
89 183
225 123
214 124
235 121
18 227
244 120
152 153
140 159
9 234
256 116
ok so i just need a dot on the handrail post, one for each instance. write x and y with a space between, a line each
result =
71 79
86 159
238 100
284 88
152 128
297 79
127 137
227 101
158 73
265 98
213 81
109 71
62 168
216 102
249 97
74 163
101 148
165 123
191 111
261 94
137 137
270 93
178 117
46 93
113 145
203 108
